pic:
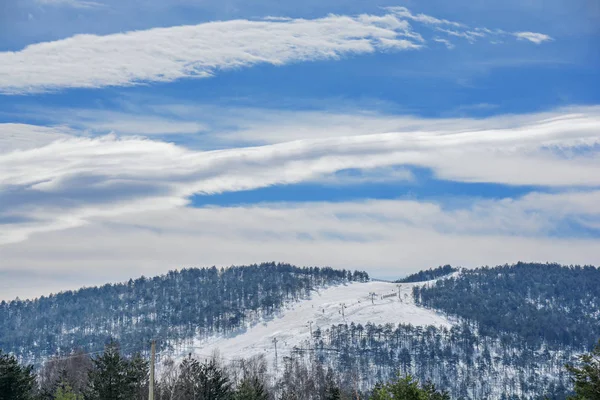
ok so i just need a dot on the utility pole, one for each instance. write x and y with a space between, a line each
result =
152 360
310 327
343 306
275 341
399 293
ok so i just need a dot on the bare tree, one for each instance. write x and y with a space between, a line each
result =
70 369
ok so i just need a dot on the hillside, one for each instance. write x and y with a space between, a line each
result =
176 307
501 332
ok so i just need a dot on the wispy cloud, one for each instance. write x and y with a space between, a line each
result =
423 18
200 51
446 42
533 37
471 36
373 175
195 51
70 182
457 29
120 122
25 137
262 126
71 3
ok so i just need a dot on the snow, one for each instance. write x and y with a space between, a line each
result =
291 326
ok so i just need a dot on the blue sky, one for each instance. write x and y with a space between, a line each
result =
137 137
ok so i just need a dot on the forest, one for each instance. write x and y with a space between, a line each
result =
465 364
542 304
176 306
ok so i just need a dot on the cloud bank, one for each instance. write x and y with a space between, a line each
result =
74 180
119 206
388 238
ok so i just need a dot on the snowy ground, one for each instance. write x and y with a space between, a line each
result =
324 309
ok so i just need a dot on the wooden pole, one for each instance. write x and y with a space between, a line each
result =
152 359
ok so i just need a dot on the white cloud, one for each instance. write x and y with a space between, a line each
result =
388 238
533 37
130 121
200 51
70 182
471 36
458 29
259 126
271 18
373 175
195 51
426 19
117 206
24 136
119 122
145 126
238 127
446 42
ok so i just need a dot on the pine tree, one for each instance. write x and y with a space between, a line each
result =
138 376
214 382
407 388
333 393
251 389
586 377
201 381
115 378
434 394
64 392
332 390
16 382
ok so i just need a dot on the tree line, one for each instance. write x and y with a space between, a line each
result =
112 376
429 274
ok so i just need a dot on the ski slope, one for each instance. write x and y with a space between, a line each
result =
324 309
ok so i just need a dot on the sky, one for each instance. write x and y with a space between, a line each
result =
138 137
